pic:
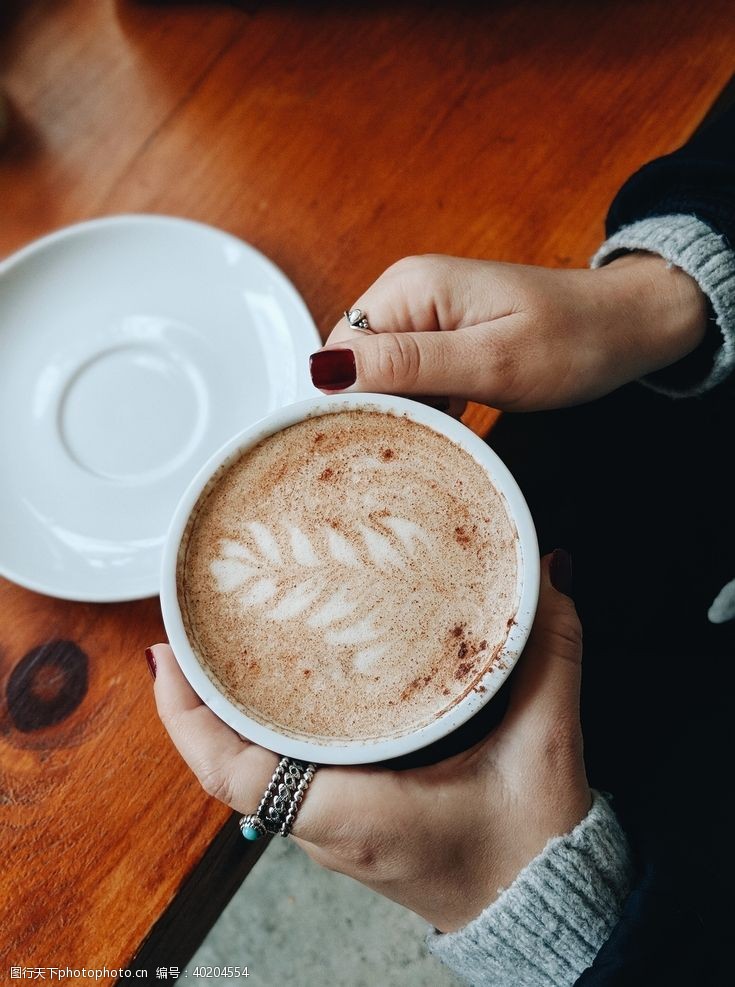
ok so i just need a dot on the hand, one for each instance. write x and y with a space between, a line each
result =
518 338
441 840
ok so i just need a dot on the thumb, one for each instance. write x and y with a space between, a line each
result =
431 363
546 686
420 340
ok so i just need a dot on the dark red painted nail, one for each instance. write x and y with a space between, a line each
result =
333 370
560 571
151 659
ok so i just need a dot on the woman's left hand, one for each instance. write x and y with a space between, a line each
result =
442 840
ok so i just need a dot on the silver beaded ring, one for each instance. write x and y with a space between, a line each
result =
281 800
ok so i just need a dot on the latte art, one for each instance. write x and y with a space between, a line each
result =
290 586
350 577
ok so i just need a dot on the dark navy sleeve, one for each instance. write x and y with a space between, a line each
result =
676 926
698 180
682 206
674 929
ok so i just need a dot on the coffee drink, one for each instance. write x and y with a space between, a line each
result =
350 577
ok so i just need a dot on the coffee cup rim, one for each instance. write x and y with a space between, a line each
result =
358 751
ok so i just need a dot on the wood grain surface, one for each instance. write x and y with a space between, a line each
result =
335 138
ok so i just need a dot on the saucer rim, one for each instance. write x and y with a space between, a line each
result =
8 265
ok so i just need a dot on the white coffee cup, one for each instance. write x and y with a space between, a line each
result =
358 751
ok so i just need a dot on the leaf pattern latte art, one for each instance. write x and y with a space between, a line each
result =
284 577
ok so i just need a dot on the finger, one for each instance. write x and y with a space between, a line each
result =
429 293
171 688
546 684
445 364
228 768
410 296
237 772
470 347
336 799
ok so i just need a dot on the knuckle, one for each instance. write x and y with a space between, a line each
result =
418 267
217 783
364 856
558 632
358 859
399 361
171 720
566 635
360 856
167 718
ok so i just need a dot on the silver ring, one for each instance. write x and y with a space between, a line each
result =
281 800
357 319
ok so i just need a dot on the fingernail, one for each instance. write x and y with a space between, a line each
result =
333 370
560 571
151 659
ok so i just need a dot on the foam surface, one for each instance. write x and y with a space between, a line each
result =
350 577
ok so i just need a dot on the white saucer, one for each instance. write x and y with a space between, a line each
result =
131 348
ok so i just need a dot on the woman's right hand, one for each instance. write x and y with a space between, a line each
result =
478 817
518 338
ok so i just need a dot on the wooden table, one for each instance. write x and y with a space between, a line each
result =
335 138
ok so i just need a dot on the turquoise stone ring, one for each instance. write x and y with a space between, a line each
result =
252 827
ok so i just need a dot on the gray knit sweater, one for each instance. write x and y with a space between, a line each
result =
548 926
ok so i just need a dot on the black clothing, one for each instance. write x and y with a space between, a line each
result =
641 489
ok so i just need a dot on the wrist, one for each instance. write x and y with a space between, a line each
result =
664 309
467 890
550 923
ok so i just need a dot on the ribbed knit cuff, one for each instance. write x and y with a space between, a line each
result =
688 243
549 925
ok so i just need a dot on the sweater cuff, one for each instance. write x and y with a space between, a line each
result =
549 925
690 244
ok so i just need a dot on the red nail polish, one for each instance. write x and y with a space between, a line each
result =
151 659
333 370
560 571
